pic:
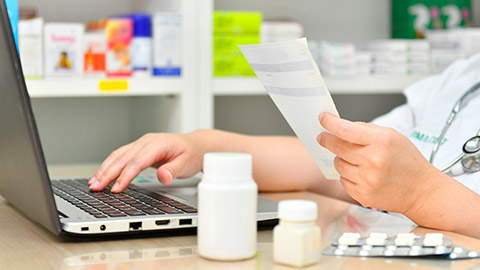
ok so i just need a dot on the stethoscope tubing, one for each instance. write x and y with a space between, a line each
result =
456 108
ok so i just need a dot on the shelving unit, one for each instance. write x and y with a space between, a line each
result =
338 85
76 109
81 120
93 87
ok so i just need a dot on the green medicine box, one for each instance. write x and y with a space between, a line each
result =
411 18
236 22
227 45
231 66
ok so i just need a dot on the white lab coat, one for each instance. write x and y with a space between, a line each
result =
429 103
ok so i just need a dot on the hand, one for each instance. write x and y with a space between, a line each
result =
174 156
378 166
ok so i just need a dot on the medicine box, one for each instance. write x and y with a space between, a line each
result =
236 22
231 66
30 45
63 49
167 44
95 53
119 32
227 45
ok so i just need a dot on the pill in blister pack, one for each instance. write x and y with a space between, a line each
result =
400 245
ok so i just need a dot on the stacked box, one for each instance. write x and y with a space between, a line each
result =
450 45
399 57
334 59
275 31
232 28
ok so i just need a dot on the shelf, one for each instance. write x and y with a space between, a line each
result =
236 86
90 87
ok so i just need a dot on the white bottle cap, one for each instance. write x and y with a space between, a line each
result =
297 210
224 166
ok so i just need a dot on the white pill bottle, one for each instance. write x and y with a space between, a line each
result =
296 239
227 207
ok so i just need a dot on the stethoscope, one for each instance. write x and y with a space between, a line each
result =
470 158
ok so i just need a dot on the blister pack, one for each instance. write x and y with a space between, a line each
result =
400 245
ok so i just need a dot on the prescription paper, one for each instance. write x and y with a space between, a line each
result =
293 81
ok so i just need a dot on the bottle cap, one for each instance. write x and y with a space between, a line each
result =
297 210
142 25
227 166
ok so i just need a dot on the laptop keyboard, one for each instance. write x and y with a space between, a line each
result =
133 201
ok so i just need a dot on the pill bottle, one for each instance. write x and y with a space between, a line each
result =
227 207
142 52
296 239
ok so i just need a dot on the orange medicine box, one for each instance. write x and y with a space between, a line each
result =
119 34
95 50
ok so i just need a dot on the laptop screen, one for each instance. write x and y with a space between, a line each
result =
24 179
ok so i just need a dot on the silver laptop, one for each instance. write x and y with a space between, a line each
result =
66 206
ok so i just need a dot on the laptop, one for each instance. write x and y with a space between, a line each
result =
66 206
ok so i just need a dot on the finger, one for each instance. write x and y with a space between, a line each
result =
349 186
113 171
175 168
345 150
107 162
346 169
142 160
347 130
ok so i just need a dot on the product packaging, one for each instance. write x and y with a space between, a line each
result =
167 44
141 52
30 45
13 13
63 49
119 32
95 53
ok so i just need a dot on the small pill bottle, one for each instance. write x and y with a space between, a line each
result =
227 208
296 239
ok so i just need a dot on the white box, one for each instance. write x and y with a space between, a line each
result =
167 44
274 31
30 46
63 49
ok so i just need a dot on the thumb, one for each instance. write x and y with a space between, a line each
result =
168 171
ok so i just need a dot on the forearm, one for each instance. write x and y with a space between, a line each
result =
279 163
448 205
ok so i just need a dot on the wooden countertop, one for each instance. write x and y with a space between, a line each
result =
26 245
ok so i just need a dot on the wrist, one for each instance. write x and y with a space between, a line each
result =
429 198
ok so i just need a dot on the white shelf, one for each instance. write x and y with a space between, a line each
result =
236 86
90 87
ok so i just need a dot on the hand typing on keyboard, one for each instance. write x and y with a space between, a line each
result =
173 155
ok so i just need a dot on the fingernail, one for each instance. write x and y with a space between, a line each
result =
320 117
319 137
115 187
93 179
95 185
171 176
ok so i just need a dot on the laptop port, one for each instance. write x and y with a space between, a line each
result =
185 222
102 227
162 222
135 226
84 229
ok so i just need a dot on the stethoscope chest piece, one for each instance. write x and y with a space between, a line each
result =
471 160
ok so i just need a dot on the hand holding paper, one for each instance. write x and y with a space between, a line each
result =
292 79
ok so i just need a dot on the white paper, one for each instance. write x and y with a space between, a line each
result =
292 79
